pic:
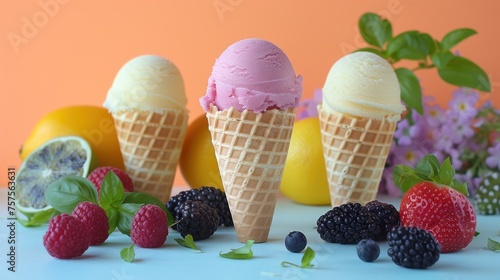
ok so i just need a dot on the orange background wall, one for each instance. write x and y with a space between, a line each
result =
74 48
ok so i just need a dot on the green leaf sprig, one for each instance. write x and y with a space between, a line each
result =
128 253
428 169
307 258
65 193
242 253
427 52
187 242
493 245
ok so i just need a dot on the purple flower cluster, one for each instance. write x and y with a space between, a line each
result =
466 132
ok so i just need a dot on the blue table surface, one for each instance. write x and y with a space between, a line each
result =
332 261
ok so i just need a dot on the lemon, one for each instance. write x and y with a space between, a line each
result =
94 124
304 177
198 164
61 156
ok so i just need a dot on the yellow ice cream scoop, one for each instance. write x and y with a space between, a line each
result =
147 83
363 84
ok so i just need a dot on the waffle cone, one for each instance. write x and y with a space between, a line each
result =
355 152
151 145
251 151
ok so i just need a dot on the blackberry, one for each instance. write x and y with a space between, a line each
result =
348 224
210 196
412 247
387 214
196 218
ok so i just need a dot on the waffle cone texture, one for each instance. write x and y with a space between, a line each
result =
251 152
151 145
355 152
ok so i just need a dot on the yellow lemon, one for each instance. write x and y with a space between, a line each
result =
94 124
198 164
304 178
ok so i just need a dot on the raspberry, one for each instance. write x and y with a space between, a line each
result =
149 227
66 238
196 218
98 174
94 217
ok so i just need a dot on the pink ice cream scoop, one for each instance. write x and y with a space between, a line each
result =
253 74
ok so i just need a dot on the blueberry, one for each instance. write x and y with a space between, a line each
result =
368 250
295 241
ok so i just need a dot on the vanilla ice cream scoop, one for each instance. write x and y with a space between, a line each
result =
147 83
363 84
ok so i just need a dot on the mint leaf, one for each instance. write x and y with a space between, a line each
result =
112 191
187 242
441 59
309 255
242 253
126 213
462 72
493 245
408 45
307 258
454 37
66 192
375 30
143 198
128 253
112 214
411 93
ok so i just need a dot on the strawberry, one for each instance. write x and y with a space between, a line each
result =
434 201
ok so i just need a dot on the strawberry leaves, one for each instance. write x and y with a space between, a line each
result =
428 169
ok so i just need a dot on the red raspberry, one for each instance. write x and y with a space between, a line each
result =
94 217
97 175
66 238
149 227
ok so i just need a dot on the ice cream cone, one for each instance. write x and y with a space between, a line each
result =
355 152
151 144
251 151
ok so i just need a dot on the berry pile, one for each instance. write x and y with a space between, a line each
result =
351 222
210 196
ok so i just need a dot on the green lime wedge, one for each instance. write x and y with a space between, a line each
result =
69 155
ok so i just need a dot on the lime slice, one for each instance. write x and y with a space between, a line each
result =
56 158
